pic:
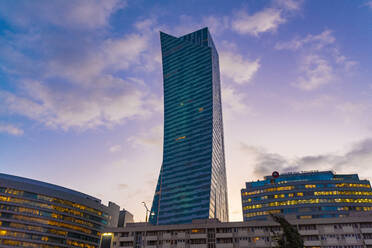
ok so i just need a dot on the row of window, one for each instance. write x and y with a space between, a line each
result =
32 228
47 214
55 200
295 210
16 243
306 201
270 229
48 222
307 186
22 235
308 193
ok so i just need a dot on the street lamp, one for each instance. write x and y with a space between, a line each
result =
147 211
151 213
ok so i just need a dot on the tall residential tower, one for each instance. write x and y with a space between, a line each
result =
192 180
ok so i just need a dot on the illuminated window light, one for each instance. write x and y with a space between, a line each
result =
180 138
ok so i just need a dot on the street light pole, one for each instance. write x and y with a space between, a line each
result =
147 211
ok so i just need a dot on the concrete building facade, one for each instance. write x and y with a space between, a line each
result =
354 231
43 215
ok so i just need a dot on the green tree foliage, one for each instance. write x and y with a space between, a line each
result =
290 237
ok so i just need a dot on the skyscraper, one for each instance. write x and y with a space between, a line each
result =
192 180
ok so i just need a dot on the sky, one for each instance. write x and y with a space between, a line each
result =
81 102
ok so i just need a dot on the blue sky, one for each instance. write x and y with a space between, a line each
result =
81 90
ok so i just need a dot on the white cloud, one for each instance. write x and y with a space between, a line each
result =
237 68
290 5
149 138
321 59
77 84
82 107
85 14
93 14
316 72
10 129
263 21
369 4
115 148
215 24
110 56
234 104
318 41
188 24
343 60
318 102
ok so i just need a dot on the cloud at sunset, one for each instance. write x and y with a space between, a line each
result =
358 156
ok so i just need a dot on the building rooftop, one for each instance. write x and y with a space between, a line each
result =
47 185
302 176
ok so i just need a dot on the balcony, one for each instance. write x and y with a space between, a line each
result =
242 233
243 243
181 245
224 235
329 229
198 236
366 230
224 245
181 235
368 241
348 229
166 245
351 240
167 236
261 243
198 245
332 241
313 243
130 238
259 232
151 238
309 232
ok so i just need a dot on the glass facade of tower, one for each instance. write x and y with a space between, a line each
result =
192 180
306 195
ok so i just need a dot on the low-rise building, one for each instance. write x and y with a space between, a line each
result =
354 231
322 194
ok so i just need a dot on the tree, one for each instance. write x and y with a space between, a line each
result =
290 237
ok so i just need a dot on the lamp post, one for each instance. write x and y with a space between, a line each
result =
147 211
147 220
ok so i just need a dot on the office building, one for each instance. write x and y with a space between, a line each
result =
124 218
192 180
354 231
306 195
39 214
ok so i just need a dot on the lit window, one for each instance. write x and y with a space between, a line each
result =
181 138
